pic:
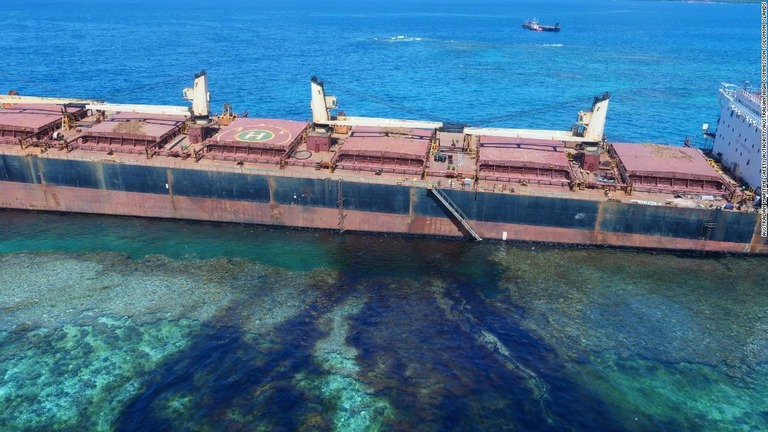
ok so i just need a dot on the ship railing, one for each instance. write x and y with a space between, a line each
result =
729 89
344 176
748 113
188 164
751 96
742 95
523 190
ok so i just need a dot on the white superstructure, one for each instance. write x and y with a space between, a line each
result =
737 141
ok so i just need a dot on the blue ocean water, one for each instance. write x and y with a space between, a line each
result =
463 61
131 324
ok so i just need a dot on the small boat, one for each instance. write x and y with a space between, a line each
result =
535 26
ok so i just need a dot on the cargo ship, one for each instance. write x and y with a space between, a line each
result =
380 175
534 25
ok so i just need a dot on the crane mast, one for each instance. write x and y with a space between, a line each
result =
198 95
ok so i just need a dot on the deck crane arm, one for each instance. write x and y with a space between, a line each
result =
94 105
322 104
198 95
590 127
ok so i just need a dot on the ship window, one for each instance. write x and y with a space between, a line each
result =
748 161
731 113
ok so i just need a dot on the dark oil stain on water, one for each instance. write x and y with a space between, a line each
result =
135 324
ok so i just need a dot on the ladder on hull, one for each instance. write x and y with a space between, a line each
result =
455 211
340 204
706 229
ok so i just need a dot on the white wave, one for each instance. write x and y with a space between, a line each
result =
399 38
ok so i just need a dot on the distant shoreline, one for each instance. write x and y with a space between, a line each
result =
710 1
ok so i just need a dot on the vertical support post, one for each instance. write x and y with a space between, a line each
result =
340 203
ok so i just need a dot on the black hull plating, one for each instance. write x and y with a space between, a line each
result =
480 207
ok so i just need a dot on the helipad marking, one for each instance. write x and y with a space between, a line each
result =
255 135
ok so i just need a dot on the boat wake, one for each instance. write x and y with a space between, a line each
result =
399 38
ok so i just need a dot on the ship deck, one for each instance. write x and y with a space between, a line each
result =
654 167
399 151
423 158
23 121
130 133
523 160
255 140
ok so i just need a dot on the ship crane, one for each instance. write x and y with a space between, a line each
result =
590 127
322 105
198 95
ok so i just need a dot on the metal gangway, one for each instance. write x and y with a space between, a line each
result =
455 211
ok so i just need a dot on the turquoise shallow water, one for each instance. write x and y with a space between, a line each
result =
162 325
130 324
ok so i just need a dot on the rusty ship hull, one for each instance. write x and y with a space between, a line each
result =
114 188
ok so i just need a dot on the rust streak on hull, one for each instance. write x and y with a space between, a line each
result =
81 200
758 244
